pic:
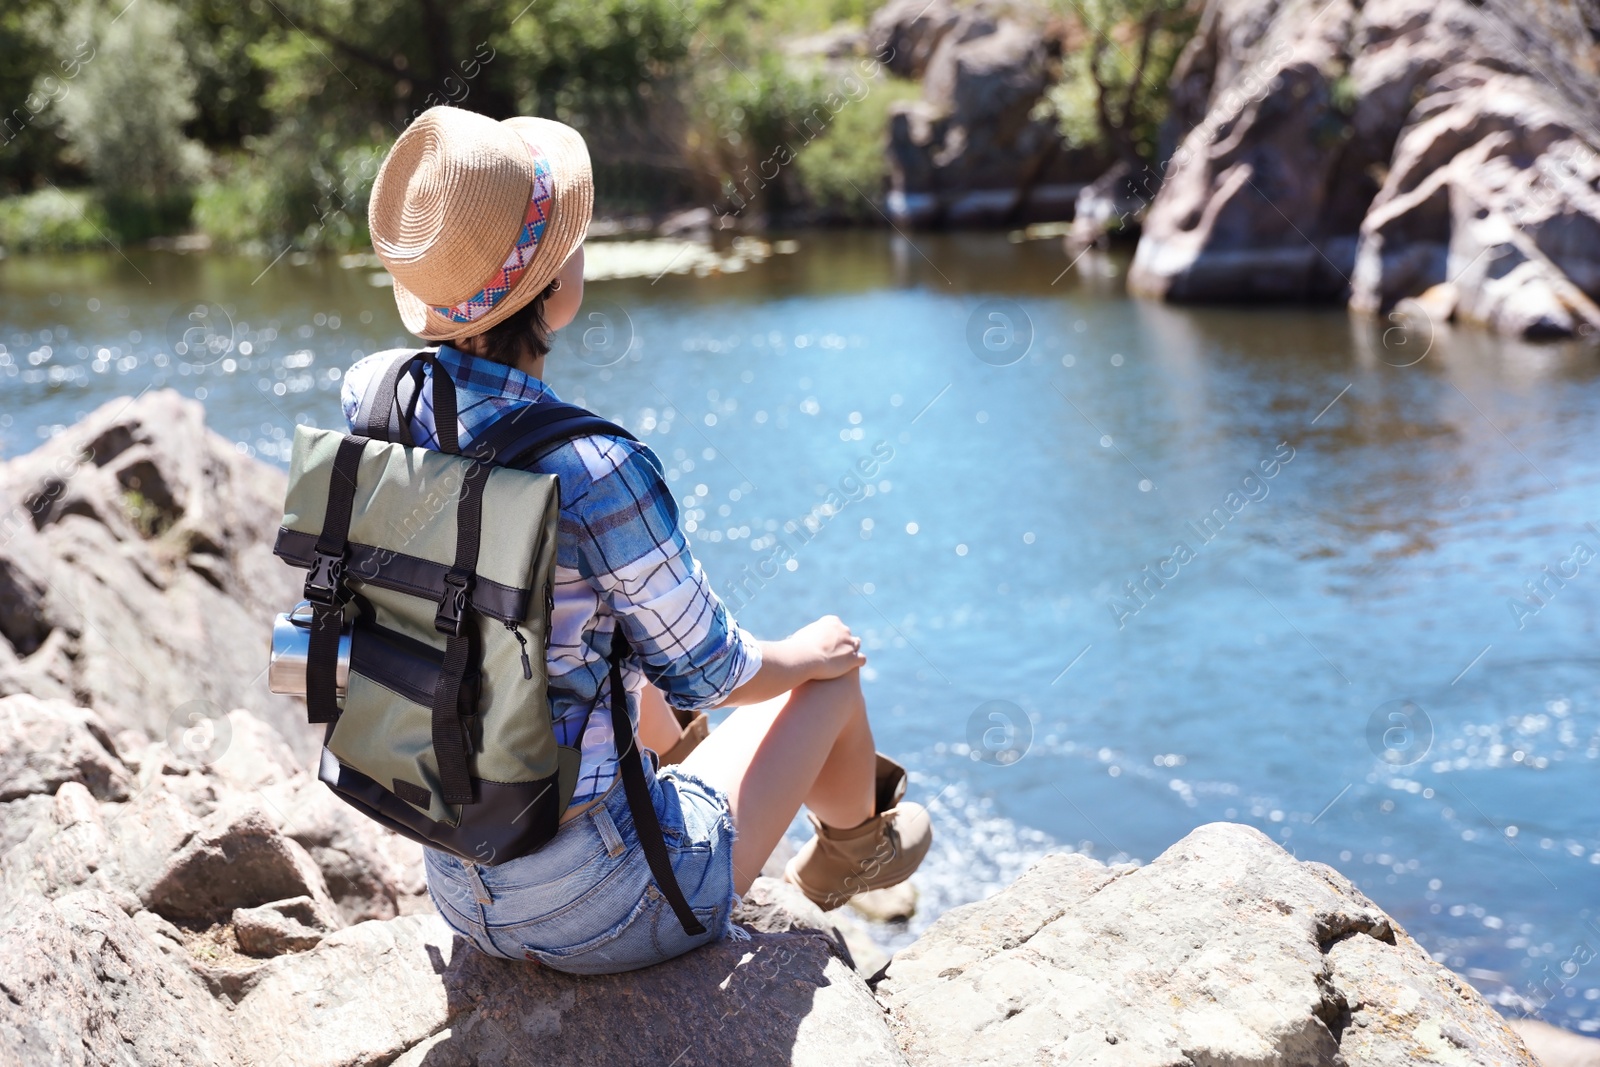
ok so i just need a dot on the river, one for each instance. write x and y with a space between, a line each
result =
1121 568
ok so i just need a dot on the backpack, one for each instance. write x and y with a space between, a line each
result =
443 732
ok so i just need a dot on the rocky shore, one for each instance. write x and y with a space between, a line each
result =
179 889
1381 150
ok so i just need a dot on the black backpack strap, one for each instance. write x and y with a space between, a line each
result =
324 586
375 417
516 438
637 791
513 440
380 407
451 619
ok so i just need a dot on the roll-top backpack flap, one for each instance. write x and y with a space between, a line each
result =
402 533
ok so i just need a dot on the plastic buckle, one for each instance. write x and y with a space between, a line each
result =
457 588
325 580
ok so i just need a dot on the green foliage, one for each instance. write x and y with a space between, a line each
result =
1112 93
847 163
125 111
288 188
52 219
262 122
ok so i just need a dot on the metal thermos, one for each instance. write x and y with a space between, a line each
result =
291 644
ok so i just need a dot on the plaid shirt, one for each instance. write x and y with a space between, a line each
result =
620 557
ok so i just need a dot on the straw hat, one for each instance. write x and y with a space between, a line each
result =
474 217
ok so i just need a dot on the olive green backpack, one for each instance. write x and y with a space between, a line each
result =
437 567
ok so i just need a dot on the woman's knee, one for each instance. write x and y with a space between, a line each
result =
841 696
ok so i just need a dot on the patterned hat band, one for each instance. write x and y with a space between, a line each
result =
505 279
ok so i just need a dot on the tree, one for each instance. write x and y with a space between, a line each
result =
125 111
1113 90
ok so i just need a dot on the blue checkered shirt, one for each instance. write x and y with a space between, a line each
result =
620 557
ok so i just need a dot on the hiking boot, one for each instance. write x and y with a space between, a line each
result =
696 727
837 864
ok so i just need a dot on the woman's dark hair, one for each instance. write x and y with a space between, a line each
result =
523 331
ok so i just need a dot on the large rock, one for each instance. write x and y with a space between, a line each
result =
1223 950
1554 1047
778 998
904 33
82 984
1372 150
137 577
970 150
235 863
45 744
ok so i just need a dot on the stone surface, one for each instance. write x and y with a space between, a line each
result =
1223 950
1554 1047
773 906
906 32
896 904
778 998
83 984
234 863
1372 151
971 150
137 576
282 926
44 744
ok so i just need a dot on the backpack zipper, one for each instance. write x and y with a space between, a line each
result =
527 666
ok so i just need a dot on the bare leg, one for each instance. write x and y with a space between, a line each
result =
812 746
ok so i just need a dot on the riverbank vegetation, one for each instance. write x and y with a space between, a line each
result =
260 124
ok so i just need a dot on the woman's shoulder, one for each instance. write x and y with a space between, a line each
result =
602 465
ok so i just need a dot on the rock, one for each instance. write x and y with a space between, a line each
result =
897 904
65 849
1379 149
140 568
777 998
1112 204
234 863
1554 1047
44 744
292 925
82 984
691 222
773 906
970 150
904 33
1225 949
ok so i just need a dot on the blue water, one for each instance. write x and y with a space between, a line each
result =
1335 659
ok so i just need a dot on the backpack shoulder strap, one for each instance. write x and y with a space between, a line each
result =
383 414
518 437
374 418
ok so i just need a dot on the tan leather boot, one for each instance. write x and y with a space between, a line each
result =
696 728
837 864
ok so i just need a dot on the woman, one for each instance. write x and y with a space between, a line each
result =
481 224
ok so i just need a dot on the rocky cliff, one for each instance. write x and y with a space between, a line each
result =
1375 150
193 896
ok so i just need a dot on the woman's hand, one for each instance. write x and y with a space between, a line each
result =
825 649
830 646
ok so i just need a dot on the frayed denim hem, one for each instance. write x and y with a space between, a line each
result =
729 929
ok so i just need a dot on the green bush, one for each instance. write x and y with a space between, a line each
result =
125 111
848 161
289 188
52 220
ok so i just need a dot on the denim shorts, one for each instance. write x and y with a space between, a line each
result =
586 903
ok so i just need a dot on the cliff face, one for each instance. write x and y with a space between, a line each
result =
193 895
1373 150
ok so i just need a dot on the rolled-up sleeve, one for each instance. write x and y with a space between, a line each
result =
632 552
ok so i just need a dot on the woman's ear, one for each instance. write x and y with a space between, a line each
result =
561 306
